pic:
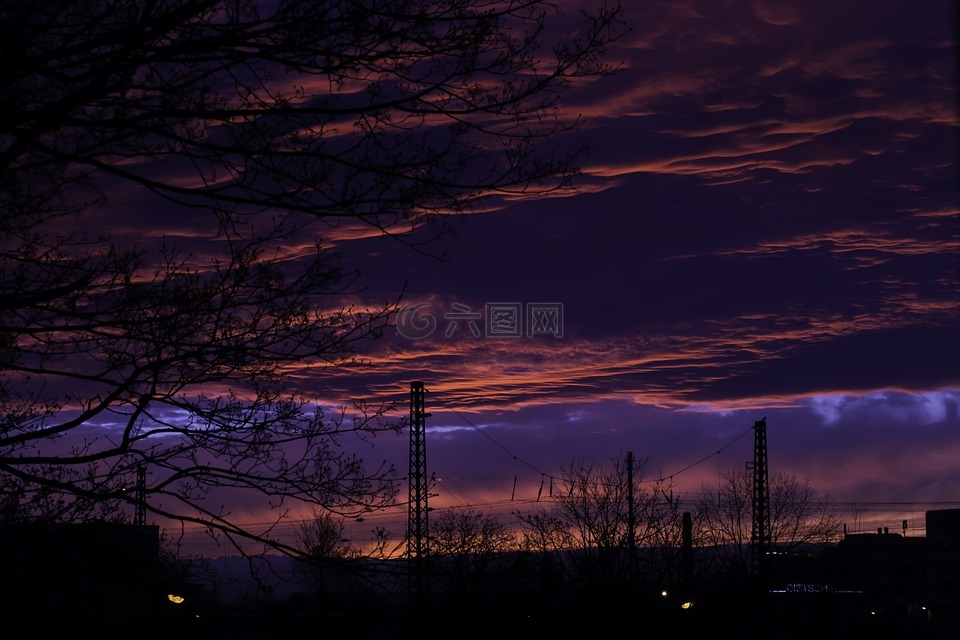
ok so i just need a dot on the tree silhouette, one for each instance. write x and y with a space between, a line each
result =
798 516
467 545
269 119
589 523
327 554
370 111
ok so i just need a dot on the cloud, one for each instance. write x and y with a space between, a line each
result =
897 407
766 226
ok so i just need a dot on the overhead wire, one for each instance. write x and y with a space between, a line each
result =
552 477
544 477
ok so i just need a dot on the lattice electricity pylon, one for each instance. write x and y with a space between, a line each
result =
140 495
760 538
418 538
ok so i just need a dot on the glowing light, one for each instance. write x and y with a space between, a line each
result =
663 593
686 605
175 599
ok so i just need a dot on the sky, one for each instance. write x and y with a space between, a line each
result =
766 226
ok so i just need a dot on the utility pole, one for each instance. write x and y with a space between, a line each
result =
418 538
140 495
631 522
686 553
631 513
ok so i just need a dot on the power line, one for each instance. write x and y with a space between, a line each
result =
486 435
517 458
707 457
869 505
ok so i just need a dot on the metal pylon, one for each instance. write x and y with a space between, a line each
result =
140 495
418 539
760 539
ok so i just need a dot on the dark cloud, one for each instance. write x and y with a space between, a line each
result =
768 226
769 220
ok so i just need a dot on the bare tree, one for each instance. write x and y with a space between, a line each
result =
23 502
271 118
357 110
798 516
588 524
467 545
327 555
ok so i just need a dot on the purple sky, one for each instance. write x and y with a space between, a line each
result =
767 225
